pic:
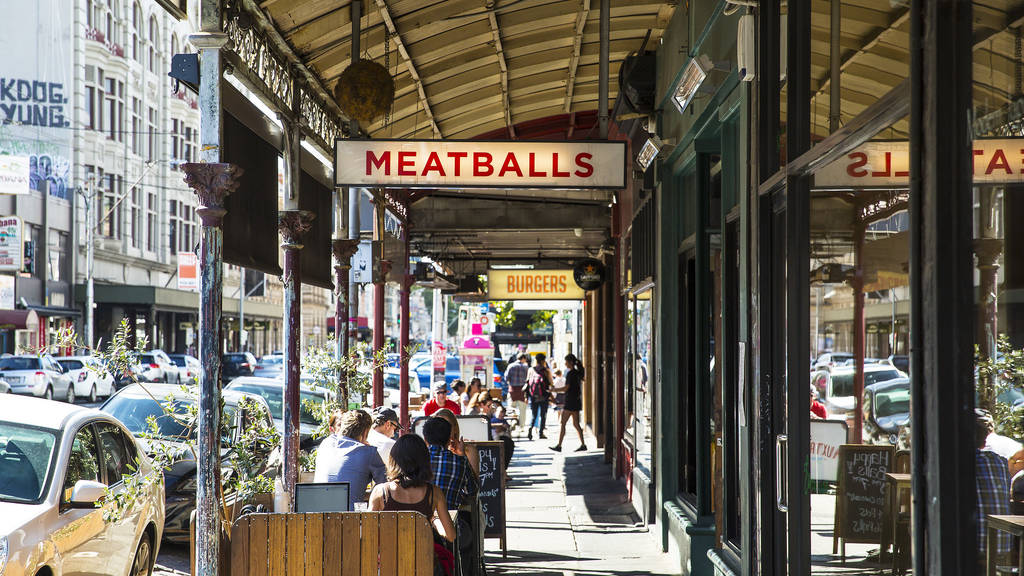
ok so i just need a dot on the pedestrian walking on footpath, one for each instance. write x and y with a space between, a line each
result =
538 390
573 390
515 376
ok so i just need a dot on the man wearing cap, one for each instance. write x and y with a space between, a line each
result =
440 400
381 437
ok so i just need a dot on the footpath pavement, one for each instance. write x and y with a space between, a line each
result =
566 516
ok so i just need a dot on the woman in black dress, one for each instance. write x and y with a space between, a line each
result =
573 401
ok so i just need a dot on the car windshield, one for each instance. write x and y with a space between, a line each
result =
892 402
25 457
842 384
178 361
134 412
19 363
71 364
275 400
235 358
391 380
271 361
147 359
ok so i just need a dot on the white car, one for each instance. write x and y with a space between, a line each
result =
56 461
392 394
156 366
188 368
837 395
89 376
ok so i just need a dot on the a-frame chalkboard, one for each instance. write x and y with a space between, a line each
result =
861 494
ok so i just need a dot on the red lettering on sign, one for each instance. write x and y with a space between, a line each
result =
554 167
511 284
406 163
433 163
375 162
855 169
998 161
534 173
584 169
482 160
510 165
561 284
978 153
458 161
888 167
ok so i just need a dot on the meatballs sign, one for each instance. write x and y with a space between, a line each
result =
480 164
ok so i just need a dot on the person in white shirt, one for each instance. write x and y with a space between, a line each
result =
381 437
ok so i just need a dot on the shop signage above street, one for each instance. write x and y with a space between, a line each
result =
11 248
887 165
532 285
14 174
588 273
480 164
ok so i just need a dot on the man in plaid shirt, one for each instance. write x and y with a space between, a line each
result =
993 487
451 471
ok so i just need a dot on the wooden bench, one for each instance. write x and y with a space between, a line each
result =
332 544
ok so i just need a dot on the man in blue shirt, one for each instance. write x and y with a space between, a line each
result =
344 456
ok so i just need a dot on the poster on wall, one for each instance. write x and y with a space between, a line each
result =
35 93
15 175
11 244
6 292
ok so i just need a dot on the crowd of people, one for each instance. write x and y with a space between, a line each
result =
430 473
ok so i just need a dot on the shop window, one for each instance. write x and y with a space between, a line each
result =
687 443
58 256
643 391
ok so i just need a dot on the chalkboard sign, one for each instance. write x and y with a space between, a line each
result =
488 460
861 495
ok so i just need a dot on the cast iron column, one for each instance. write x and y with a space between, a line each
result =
344 249
403 370
293 225
987 251
857 283
211 183
378 332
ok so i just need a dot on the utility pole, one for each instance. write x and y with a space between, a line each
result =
90 247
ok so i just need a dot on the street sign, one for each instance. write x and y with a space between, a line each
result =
362 263
188 272
11 249
532 285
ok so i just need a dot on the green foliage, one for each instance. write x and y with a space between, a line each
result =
505 313
999 381
541 319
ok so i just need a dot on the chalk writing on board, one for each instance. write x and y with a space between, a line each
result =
863 491
491 489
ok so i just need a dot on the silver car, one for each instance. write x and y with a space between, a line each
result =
270 366
56 461
37 375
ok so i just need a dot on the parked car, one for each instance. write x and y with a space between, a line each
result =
5 388
37 375
188 368
272 391
156 366
901 362
392 397
55 463
133 405
237 364
89 376
886 409
838 394
270 366
828 360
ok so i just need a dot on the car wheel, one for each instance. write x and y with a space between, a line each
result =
49 393
71 394
143 563
92 394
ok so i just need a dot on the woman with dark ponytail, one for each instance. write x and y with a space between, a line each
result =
573 401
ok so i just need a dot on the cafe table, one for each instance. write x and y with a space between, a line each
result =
896 483
1002 523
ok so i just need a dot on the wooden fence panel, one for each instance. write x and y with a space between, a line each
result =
388 544
240 547
369 539
332 544
350 549
296 544
314 544
277 544
258 554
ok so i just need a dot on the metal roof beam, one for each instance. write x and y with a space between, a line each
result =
581 22
385 15
496 33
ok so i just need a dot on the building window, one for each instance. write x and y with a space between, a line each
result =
189 148
58 256
136 217
88 14
137 33
115 109
154 41
151 151
109 211
151 225
136 126
175 139
94 98
172 228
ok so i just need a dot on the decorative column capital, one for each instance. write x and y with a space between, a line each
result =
293 225
212 182
987 250
344 249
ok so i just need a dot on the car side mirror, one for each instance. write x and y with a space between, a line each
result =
86 493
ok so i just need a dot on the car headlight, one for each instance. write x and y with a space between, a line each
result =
3 553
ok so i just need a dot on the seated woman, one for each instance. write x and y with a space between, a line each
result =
409 487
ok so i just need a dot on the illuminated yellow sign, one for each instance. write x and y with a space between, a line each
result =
532 285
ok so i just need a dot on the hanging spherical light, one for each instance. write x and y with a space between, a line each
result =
365 91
